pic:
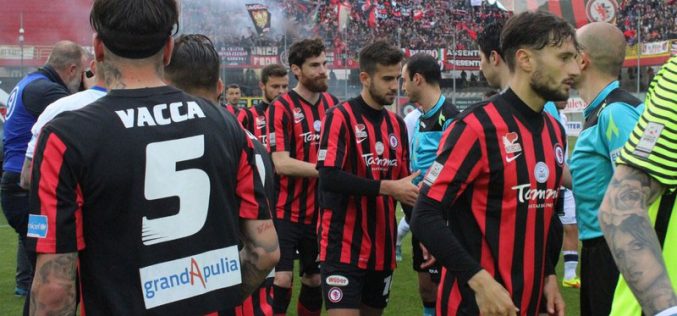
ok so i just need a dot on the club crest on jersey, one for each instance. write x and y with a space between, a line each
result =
559 154
336 280
394 142
317 125
260 122
335 295
298 115
379 148
541 172
360 133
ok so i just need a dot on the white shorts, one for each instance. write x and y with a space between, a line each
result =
569 217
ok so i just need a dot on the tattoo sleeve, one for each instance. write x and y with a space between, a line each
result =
53 291
259 254
634 244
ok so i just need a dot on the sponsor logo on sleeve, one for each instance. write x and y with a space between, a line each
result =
434 172
37 226
322 155
650 137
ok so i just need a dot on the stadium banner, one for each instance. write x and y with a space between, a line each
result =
577 12
260 17
261 56
233 55
13 52
462 59
652 53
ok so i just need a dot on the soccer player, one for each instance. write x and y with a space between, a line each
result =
195 68
364 169
233 94
147 190
59 77
294 123
647 167
496 180
274 82
610 116
492 64
421 78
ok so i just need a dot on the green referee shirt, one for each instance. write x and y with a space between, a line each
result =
652 147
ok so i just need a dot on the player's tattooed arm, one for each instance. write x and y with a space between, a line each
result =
259 255
53 291
633 242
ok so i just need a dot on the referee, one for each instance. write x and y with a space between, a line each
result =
647 169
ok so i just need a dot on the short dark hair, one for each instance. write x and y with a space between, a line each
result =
534 30
194 64
426 66
302 50
233 86
379 53
490 39
273 70
134 29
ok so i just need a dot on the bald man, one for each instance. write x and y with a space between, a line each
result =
610 116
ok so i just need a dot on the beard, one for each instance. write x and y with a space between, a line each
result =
538 83
317 85
380 98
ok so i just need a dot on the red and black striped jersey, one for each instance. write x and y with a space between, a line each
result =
360 230
144 185
496 179
294 126
232 109
253 119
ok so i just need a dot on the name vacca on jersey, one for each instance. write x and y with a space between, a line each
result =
161 114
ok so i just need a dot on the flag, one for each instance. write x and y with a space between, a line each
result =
418 15
577 12
343 16
260 17
476 3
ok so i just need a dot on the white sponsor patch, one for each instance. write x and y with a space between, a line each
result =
187 277
541 172
322 155
271 139
379 148
434 172
317 125
336 280
650 137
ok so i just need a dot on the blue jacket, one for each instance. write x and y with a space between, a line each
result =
609 120
427 135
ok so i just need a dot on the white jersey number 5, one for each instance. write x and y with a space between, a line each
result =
192 186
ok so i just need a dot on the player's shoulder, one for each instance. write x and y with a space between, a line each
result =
330 97
475 108
449 109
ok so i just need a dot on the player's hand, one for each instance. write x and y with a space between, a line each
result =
553 297
428 259
404 190
492 298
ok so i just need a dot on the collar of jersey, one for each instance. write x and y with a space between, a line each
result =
99 88
435 108
600 97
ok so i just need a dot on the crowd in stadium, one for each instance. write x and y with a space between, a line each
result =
426 24
658 18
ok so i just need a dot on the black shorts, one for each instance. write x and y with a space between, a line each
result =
417 260
346 286
293 237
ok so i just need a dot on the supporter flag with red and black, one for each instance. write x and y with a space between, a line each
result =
260 17
577 12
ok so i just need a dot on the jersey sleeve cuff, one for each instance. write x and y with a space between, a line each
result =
668 312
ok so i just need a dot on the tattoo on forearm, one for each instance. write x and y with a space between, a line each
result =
253 274
53 291
633 241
